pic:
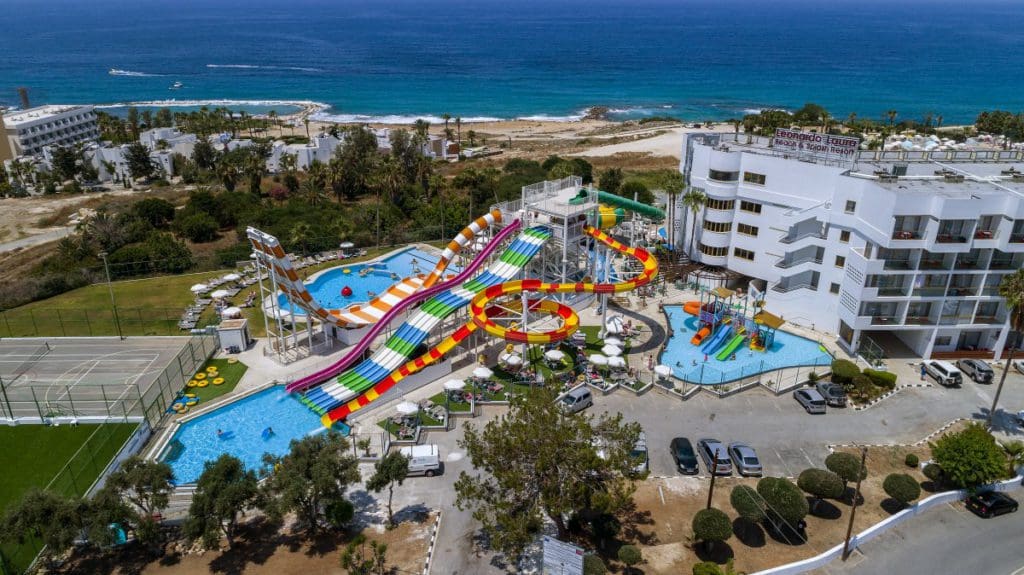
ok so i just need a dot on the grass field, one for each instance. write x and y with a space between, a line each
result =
232 374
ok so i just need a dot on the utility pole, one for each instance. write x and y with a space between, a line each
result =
714 473
853 509
1002 379
110 288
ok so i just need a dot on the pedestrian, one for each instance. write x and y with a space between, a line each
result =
923 371
705 358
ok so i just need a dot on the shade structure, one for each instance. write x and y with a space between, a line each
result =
514 359
613 341
220 294
407 408
613 324
231 278
611 350
199 288
454 384
554 355
616 362
598 359
663 370
482 372
231 312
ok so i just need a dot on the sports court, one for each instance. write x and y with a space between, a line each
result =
46 377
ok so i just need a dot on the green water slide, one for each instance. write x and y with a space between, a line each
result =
730 348
621 202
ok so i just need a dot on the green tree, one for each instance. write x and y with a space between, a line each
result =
536 461
356 559
610 180
255 167
711 526
810 114
784 501
712 568
1015 452
198 227
146 484
55 520
312 192
970 457
300 236
901 487
821 484
630 556
315 473
139 165
846 466
204 154
594 565
133 121
390 470
694 200
157 211
224 490
748 503
65 162
163 118
471 134
562 169
631 189
227 172
1011 288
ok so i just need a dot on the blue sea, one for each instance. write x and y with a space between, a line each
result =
401 59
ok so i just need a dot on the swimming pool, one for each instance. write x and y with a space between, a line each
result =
242 423
327 285
687 360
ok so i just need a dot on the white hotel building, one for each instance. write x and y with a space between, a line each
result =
908 245
27 132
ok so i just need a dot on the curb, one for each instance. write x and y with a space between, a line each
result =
889 394
433 543
926 439
720 477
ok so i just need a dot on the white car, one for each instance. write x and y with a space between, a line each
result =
1018 364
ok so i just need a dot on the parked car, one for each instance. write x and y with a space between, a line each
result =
991 503
833 393
684 456
812 401
715 456
943 372
639 454
745 459
423 459
976 369
577 400
1019 365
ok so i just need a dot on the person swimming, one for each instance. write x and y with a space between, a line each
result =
220 433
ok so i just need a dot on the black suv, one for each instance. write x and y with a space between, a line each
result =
833 393
991 503
684 456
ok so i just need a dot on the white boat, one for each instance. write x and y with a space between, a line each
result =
176 86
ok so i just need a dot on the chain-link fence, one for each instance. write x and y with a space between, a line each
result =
80 322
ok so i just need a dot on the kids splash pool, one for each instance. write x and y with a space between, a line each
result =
688 361
362 280
241 425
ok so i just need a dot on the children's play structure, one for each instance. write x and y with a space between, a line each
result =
729 320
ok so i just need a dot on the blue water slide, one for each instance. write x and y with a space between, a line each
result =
716 340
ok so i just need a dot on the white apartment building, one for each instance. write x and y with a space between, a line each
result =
172 140
902 244
320 149
27 132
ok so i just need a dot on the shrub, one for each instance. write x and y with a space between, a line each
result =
707 568
901 487
970 458
711 525
339 512
812 377
933 471
883 379
630 555
594 565
911 460
846 466
843 371
748 503
821 484
785 499
199 227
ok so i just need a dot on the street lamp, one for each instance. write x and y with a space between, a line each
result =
110 288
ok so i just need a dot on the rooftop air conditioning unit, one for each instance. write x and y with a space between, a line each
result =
953 178
899 169
1018 177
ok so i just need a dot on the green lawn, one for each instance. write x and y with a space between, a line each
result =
453 406
232 374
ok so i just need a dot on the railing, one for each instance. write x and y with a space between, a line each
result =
986 234
885 320
919 320
954 319
990 319
933 264
785 289
967 265
1002 265
907 234
785 264
892 291
1017 238
815 234
896 265
963 291
944 238
990 290
930 291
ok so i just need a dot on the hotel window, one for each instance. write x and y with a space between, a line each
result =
714 252
844 236
718 227
754 178
725 205
720 176
834 288
747 229
743 254
851 206
943 340
840 261
752 207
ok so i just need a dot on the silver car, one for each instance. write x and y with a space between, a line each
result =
812 401
745 459
709 449
976 369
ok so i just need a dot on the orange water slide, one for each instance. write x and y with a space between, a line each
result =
692 307
704 331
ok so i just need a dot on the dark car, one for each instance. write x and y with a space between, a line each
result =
684 456
833 393
991 503
715 456
745 459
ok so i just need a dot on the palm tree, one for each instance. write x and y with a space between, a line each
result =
892 117
674 185
422 128
749 123
273 118
388 182
305 120
446 117
458 128
312 192
694 199
472 137
851 119
1012 291
299 235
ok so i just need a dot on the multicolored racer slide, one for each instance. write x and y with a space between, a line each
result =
357 383
413 332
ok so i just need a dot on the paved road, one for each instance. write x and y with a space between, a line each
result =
948 539
35 240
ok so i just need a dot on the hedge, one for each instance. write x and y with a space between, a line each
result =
843 371
883 379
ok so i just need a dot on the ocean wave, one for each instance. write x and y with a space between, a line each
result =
394 119
132 73
315 107
549 118
257 67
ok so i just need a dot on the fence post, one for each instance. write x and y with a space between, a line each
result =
36 401
60 320
8 324
106 403
70 400
88 324
7 401
35 327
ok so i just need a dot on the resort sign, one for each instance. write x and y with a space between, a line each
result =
815 145
562 558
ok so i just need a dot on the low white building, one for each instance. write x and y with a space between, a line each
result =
319 149
27 132
900 244
175 141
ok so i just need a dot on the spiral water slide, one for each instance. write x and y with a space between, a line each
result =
355 316
364 343
482 315
402 345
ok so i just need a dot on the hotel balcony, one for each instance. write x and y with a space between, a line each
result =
998 319
933 261
919 320
1017 233
954 319
897 264
885 320
954 231
909 227
962 291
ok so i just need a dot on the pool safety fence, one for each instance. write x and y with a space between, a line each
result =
92 322
776 380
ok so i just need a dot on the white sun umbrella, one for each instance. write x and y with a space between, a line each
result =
598 359
454 384
614 324
514 359
663 370
231 312
407 408
616 362
232 277
554 355
482 372
220 294
611 350
199 288
613 341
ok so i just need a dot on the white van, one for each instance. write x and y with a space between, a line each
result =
943 372
576 400
423 459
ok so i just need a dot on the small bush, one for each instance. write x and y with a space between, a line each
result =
883 379
933 471
594 565
339 513
812 377
630 555
707 568
711 525
911 460
846 466
843 371
901 487
821 484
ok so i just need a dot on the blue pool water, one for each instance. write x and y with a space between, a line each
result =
788 350
242 422
326 287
